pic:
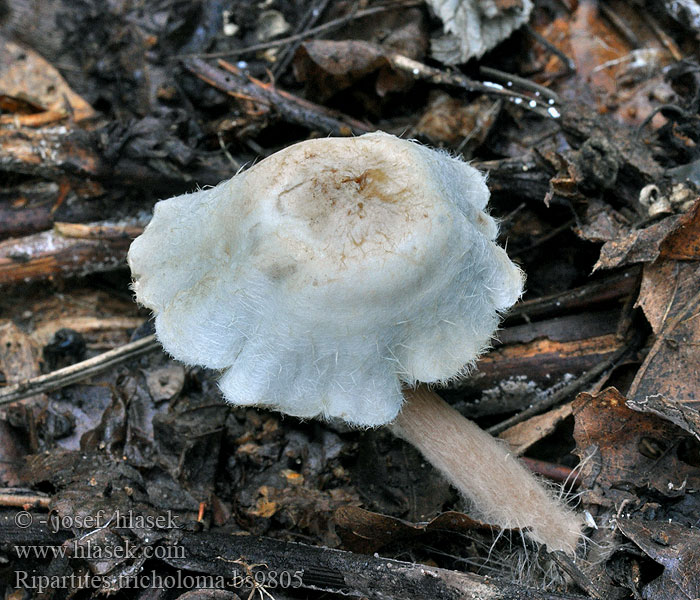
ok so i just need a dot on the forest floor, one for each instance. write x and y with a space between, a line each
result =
124 473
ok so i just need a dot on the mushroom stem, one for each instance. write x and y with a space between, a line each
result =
503 491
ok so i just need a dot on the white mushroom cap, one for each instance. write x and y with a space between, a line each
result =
329 274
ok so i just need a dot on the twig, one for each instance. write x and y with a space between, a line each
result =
605 290
291 108
437 76
544 238
34 120
296 566
562 394
569 64
52 254
558 473
77 372
668 108
25 501
234 163
619 24
509 79
664 38
349 574
583 581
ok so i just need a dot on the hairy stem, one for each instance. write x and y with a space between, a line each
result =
502 490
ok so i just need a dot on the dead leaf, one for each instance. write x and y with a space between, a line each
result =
674 546
110 434
188 441
662 282
677 413
683 243
451 121
639 245
619 77
330 66
292 477
472 27
676 236
624 452
590 42
366 532
264 507
403 30
25 75
670 298
602 223
301 506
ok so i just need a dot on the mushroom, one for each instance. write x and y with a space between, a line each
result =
331 278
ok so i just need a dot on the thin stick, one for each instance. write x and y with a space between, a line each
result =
619 24
569 64
77 372
664 38
509 78
605 290
229 79
25 501
558 473
436 76
562 394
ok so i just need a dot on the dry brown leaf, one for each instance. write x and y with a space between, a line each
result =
264 507
448 120
623 452
602 223
670 298
677 413
404 31
676 236
25 75
590 41
472 27
675 547
620 78
683 243
365 531
639 245
328 66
